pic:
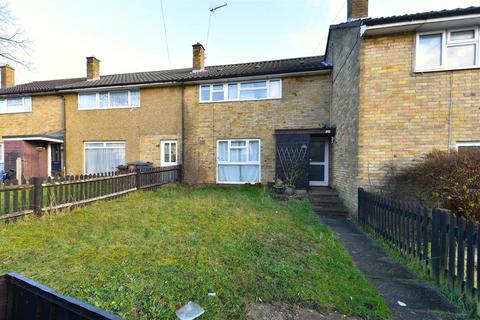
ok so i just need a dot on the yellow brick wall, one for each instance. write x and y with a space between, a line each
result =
404 114
304 104
46 118
158 118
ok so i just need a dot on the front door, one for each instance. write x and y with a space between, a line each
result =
318 162
56 158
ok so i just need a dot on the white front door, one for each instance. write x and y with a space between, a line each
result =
318 162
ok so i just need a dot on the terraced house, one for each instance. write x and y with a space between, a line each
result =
387 90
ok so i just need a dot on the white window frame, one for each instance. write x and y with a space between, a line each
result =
26 105
467 144
248 162
97 100
103 147
226 91
446 43
164 163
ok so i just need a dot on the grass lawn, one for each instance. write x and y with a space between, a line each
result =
145 255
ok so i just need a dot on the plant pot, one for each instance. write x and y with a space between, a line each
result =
289 190
278 189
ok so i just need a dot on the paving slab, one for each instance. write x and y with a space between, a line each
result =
393 280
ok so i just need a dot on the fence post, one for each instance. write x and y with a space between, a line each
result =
37 195
137 178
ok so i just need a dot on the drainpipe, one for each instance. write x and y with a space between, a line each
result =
450 106
183 131
64 127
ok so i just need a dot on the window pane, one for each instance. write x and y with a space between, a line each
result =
166 152
223 151
430 51
217 96
238 155
218 87
103 159
253 94
249 173
27 104
103 99
135 98
238 143
205 93
228 173
253 151
233 91
87 100
14 102
275 89
94 145
115 144
119 99
251 85
173 150
461 56
462 35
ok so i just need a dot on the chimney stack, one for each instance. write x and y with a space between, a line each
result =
7 75
357 9
198 57
93 68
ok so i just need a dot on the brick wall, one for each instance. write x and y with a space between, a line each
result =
405 114
158 118
343 52
304 104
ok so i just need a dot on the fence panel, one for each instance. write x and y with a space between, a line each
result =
19 198
447 246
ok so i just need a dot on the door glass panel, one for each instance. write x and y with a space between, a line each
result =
317 151
317 172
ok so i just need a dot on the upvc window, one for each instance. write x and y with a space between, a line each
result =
462 146
447 49
238 161
241 91
109 99
101 157
16 105
168 153
2 161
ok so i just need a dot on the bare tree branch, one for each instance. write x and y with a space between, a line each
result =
14 46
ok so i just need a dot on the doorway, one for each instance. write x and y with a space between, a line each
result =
318 173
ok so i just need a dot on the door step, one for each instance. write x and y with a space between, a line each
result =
326 202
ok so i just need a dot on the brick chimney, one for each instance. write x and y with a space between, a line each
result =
7 75
198 57
93 68
357 9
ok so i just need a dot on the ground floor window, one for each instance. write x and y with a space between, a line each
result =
461 146
1 158
104 156
168 153
238 161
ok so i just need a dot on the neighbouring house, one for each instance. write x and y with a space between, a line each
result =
387 90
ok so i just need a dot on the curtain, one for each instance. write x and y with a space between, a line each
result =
103 160
238 173
119 99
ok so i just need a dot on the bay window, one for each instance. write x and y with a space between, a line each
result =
168 153
240 91
447 49
109 99
238 161
16 105
102 157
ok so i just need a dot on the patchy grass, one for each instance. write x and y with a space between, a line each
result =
147 254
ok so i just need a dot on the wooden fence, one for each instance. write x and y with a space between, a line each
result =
446 245
39 195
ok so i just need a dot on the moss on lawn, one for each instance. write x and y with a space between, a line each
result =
145 255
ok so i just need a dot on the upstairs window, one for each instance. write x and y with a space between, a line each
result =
241 91
16 105
109 100
447 49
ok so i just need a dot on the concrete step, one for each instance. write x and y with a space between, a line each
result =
318 193
330 210
326 202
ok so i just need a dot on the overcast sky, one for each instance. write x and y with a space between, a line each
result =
128 36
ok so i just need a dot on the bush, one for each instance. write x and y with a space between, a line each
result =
441 179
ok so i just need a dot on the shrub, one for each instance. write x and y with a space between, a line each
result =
441 179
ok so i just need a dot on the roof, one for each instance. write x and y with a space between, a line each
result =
283 66
411 17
